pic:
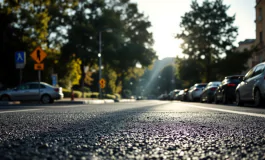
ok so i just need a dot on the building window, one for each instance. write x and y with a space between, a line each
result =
261 37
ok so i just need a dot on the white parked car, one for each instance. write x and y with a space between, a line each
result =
252 87
195 91
33 91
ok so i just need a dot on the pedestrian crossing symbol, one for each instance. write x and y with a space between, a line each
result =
20 59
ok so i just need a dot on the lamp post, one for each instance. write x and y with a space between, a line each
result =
100 58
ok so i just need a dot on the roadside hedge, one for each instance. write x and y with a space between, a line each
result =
78 94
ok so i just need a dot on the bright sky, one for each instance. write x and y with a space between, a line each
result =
165 16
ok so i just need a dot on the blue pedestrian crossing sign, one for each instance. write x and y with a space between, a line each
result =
20 59
54 79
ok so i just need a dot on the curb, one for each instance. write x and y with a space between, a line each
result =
9 103
93 101
85 102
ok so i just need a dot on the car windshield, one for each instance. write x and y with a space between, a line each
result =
235 79
201 86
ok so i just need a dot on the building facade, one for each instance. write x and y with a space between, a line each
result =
247 44
259 55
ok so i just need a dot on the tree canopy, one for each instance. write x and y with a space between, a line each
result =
68 31
208 35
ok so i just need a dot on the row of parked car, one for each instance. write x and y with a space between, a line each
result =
249 88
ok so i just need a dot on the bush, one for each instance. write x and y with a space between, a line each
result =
67 93
78 94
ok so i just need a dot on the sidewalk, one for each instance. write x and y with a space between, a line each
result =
68 101
91 101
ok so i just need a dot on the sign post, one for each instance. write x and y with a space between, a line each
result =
38 55
20 59
102 83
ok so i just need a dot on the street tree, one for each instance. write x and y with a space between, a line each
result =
208 34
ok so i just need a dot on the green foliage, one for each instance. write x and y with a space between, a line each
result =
232 64
68 93
72 73
207 34
127 93
68 31
191 71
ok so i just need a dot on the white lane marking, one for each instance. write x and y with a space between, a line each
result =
25 110
229 111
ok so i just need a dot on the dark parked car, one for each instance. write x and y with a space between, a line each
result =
225 93
252 87
184 96
179 95
173 94
208 92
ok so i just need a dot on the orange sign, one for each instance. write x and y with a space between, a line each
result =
39 66
102 81
102 85
38 55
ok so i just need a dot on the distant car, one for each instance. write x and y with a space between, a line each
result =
225 93
252 87
179 95
139 98
195 91
33 91
172 94
184 96
208 92
163 97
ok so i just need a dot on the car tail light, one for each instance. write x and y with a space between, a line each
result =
56 89
213 89
231 85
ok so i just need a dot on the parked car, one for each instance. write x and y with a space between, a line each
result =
208 92
252 87
179 95
184 96
163 97
172 94
195 91
33 91
225 93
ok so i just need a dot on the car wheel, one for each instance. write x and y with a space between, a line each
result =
215 100
257 98
5 98
45 99
209 99
201 100
224 99
238 100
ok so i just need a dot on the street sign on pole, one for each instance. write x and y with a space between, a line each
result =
38 55
20 59
102 83
39 66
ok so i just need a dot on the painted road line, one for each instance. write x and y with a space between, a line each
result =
229 111
25 110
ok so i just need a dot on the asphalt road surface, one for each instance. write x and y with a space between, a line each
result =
133 130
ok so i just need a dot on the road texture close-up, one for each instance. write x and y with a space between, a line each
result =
147 129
